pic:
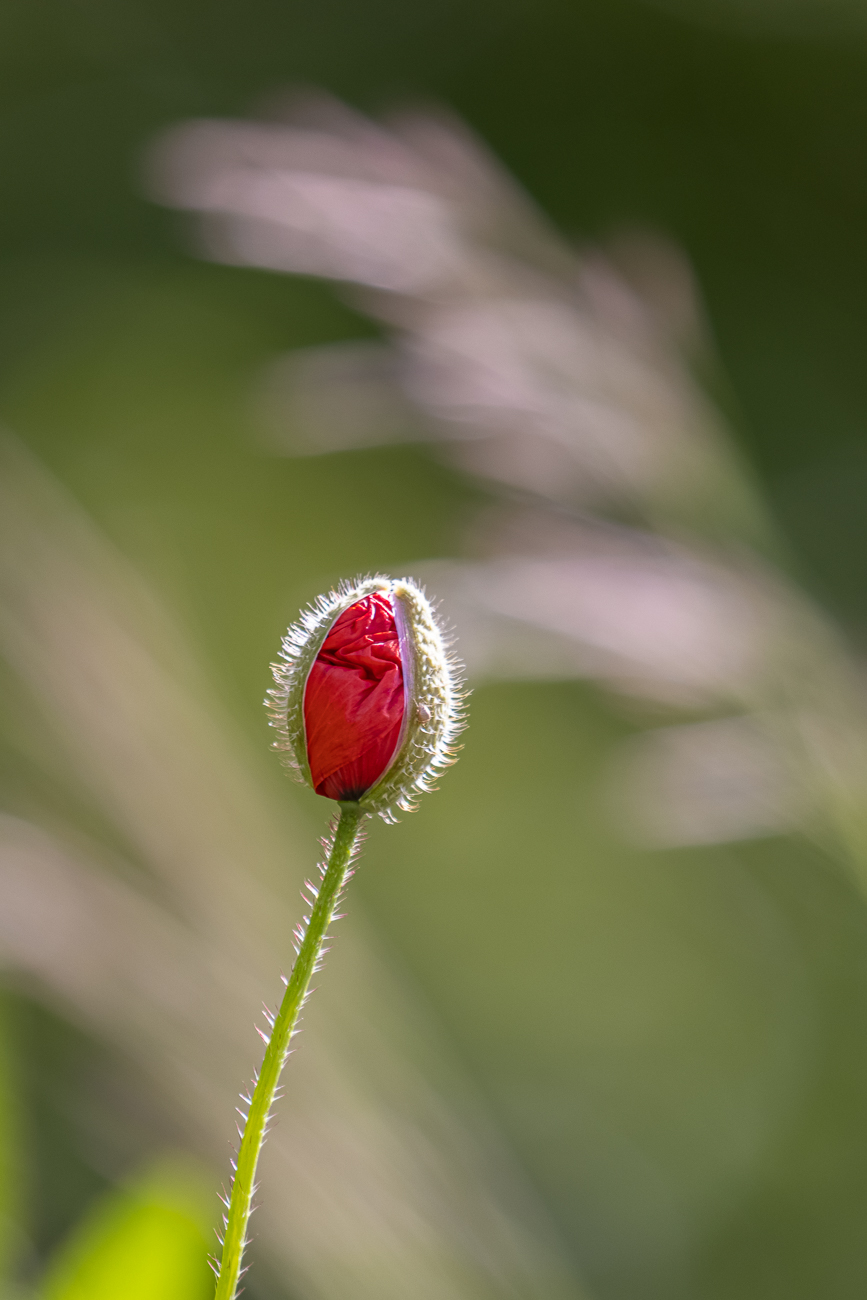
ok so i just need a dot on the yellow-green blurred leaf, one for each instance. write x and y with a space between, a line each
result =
147 1242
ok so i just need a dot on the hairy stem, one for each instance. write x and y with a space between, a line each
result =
243 1187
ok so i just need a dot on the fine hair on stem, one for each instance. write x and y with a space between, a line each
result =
310 937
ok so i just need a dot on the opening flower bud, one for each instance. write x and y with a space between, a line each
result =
366 704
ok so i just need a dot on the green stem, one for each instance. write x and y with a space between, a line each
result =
235 1238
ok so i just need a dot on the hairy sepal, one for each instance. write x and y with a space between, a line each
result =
434 706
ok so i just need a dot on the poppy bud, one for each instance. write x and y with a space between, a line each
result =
366 704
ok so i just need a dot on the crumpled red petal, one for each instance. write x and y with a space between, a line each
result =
354 700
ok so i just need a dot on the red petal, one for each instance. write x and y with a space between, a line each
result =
353 700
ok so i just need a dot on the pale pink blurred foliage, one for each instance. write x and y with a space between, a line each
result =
556 373
563 380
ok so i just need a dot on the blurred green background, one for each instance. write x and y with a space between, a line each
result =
673 1044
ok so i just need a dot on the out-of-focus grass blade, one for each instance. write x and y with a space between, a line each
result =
147 1242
